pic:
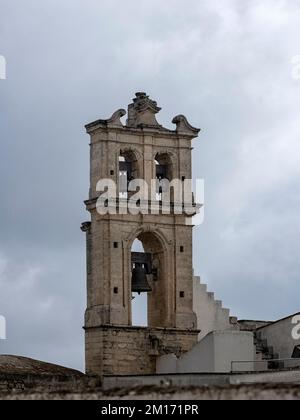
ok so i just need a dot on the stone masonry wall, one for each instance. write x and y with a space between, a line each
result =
10 383
114 350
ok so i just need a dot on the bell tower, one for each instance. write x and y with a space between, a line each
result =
141 152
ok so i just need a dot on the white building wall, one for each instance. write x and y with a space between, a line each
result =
200 359
214 354
279 335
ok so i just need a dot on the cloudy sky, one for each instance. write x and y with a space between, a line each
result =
227 65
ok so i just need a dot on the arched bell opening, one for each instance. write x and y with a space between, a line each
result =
139 302
164 166
163 171
128 170
148 285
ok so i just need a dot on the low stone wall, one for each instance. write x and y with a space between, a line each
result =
201 379
250 325
10 383
153 387
244 392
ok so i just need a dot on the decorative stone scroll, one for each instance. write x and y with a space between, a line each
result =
184 127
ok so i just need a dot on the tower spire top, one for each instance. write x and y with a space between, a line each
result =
142 111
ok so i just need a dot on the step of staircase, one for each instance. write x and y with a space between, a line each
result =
211 295
264 352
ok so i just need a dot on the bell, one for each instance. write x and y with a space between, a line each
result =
139 281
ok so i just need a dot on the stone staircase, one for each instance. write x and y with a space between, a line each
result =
211 314
265 353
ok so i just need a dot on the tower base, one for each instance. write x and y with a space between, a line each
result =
119 350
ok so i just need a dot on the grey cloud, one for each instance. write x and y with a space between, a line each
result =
227 66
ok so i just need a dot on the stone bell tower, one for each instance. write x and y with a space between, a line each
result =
141 149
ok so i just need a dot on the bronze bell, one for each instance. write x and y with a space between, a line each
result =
139 281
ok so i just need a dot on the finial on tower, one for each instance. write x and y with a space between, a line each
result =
142 111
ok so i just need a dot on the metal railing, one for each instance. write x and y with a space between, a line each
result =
264 365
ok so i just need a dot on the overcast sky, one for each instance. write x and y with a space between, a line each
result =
227 66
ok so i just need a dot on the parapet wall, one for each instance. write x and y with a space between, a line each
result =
12 384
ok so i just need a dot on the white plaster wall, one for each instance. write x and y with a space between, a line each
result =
211 316
213 354
234 346
279 336
200 359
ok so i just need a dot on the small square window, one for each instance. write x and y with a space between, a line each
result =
182 249
112 172
116 245
181 294
116 290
